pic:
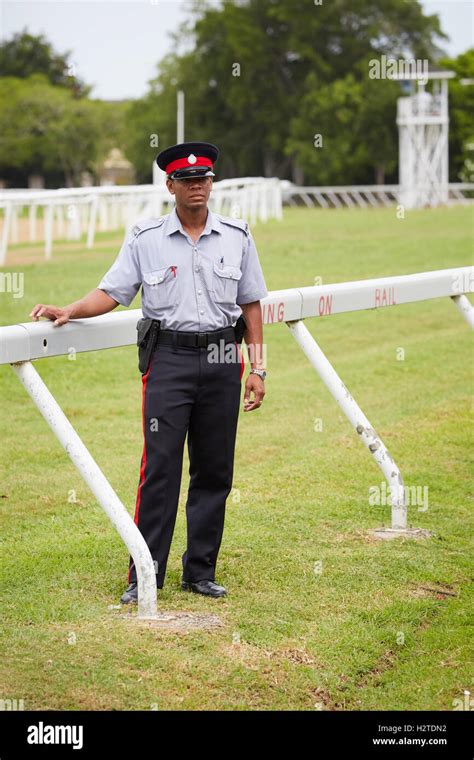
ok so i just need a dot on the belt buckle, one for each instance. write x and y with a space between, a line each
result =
201 340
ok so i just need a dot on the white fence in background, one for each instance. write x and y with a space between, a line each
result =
68 213
23 343
363 196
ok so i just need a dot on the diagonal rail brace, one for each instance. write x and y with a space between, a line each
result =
357 419
97 482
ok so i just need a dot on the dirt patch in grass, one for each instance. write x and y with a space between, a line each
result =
271 665
251 655
248 655
65 252
296 656
322 700
438 591
177 622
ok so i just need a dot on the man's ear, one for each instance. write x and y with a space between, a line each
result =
169 185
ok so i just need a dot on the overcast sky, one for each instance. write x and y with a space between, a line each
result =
116 44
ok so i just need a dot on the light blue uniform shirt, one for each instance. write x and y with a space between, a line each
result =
189 286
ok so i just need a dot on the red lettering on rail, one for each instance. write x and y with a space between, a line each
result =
268 312
325 305
385 297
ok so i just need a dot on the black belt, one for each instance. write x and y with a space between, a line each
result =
196 339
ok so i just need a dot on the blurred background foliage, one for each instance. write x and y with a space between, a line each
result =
261 79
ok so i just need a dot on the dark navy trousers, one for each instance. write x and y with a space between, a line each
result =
186 394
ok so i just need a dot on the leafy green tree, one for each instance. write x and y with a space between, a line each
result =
255 70
345 132
26 54
45 129
461 117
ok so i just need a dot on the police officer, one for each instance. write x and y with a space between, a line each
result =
199 273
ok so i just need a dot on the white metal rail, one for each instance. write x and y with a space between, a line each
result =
24 343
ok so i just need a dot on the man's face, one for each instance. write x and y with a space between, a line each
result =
192 192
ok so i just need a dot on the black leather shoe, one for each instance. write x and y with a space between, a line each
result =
208 588
131 595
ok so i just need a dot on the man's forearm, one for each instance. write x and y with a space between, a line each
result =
253 334
92 305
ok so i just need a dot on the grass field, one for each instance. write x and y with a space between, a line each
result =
384 625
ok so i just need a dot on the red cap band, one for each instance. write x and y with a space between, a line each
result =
183 163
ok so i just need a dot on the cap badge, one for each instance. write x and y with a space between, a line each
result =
192 158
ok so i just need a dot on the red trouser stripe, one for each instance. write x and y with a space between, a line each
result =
143 464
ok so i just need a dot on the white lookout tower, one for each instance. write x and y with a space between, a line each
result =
423 125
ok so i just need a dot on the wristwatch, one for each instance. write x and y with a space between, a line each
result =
260 372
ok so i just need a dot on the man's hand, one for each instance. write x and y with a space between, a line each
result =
254 384
56 313
92 305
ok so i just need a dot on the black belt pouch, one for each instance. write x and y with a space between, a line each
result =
239 328
147 336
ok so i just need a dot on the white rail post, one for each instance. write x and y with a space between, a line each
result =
103 214
48 230
94 202
97 482
59 220
278 200
32 221
465 307
14 223
358 421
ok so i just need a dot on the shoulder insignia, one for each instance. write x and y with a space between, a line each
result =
147 224
240 223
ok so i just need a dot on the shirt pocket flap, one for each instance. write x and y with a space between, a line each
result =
228 271
155 277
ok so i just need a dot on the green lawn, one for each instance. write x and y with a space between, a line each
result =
384 625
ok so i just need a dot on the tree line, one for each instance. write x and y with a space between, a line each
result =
282 87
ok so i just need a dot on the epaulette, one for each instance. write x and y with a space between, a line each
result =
147 224
240 223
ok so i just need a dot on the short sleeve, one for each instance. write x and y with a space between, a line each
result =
252 285
123 279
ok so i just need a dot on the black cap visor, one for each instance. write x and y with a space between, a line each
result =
195 171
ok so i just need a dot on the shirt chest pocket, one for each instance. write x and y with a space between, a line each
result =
225 283
161 287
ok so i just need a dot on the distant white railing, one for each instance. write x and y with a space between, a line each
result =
69 213
363 196
21 344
